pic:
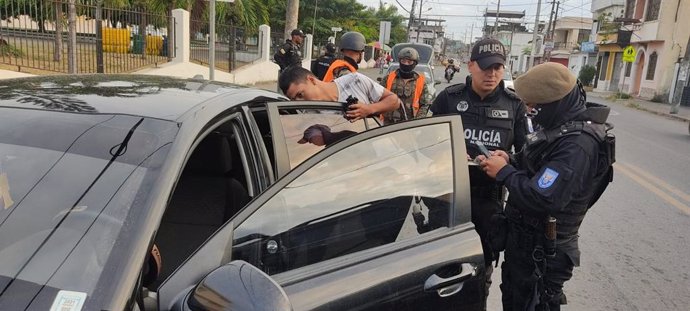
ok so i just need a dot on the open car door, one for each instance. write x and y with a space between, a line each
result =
379 220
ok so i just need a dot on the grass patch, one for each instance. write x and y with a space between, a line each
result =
7 49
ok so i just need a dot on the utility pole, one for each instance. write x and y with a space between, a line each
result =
313 24
291 17
498 12
409 23
555 18
548 30
534 34
419 20
552 26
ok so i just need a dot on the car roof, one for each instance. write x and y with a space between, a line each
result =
151 96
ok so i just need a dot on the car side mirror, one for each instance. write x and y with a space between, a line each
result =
379 79
437 82
238 286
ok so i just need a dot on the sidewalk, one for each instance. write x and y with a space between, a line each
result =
662 109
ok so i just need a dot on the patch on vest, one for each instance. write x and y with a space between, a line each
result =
547 178
500 114
487 137
462 106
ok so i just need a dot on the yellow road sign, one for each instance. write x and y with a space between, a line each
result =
629 54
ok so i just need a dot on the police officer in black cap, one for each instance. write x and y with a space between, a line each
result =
492 116
290 53
320 66
561 172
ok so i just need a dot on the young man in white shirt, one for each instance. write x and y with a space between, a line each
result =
298 83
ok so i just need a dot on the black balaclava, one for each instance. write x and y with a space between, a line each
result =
407 71
556 113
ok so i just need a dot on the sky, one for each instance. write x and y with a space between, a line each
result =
461 14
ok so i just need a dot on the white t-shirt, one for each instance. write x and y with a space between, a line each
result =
358 85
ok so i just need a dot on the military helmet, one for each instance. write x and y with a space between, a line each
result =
410 53
352 40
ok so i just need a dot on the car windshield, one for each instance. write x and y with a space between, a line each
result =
69 184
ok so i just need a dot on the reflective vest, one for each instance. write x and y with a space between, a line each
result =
419 88
338 63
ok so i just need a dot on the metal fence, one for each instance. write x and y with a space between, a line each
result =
54 35
235 46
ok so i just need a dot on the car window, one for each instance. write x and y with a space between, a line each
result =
375 192
301 129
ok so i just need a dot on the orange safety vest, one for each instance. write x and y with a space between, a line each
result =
338 63
418 89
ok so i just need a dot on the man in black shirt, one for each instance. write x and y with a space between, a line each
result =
290 54
320 66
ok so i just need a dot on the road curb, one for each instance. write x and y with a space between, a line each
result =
632 104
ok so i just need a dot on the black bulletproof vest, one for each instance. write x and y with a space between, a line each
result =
490 122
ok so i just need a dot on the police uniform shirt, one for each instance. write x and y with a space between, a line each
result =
498 121
289 54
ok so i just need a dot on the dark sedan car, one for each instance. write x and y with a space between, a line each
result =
124 192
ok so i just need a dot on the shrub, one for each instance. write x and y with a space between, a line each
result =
658 98
586 75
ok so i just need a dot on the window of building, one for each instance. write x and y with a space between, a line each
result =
628 67
629 8
651 68
653 7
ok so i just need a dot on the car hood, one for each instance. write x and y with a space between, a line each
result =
68 184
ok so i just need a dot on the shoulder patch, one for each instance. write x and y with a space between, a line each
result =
547 178
456 88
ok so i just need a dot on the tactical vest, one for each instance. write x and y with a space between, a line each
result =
542 143
492 124
337 65
417 95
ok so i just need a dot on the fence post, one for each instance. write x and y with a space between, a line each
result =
265 42
72 41
308 47
99 37
181 40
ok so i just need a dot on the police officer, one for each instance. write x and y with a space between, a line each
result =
290 53
352 45
563 170
320 66
491 115
410 87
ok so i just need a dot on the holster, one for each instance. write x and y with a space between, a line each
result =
498 232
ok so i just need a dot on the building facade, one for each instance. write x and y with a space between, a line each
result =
609 44
568 35
660 33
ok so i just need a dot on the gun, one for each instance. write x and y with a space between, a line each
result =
550 235
351 100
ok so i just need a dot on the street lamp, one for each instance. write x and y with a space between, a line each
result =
335 32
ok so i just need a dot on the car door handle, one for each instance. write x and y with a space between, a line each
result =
436 282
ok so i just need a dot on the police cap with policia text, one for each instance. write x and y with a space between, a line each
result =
487 52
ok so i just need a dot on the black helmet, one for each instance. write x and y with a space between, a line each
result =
297 32
410 53
352 40
330 48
